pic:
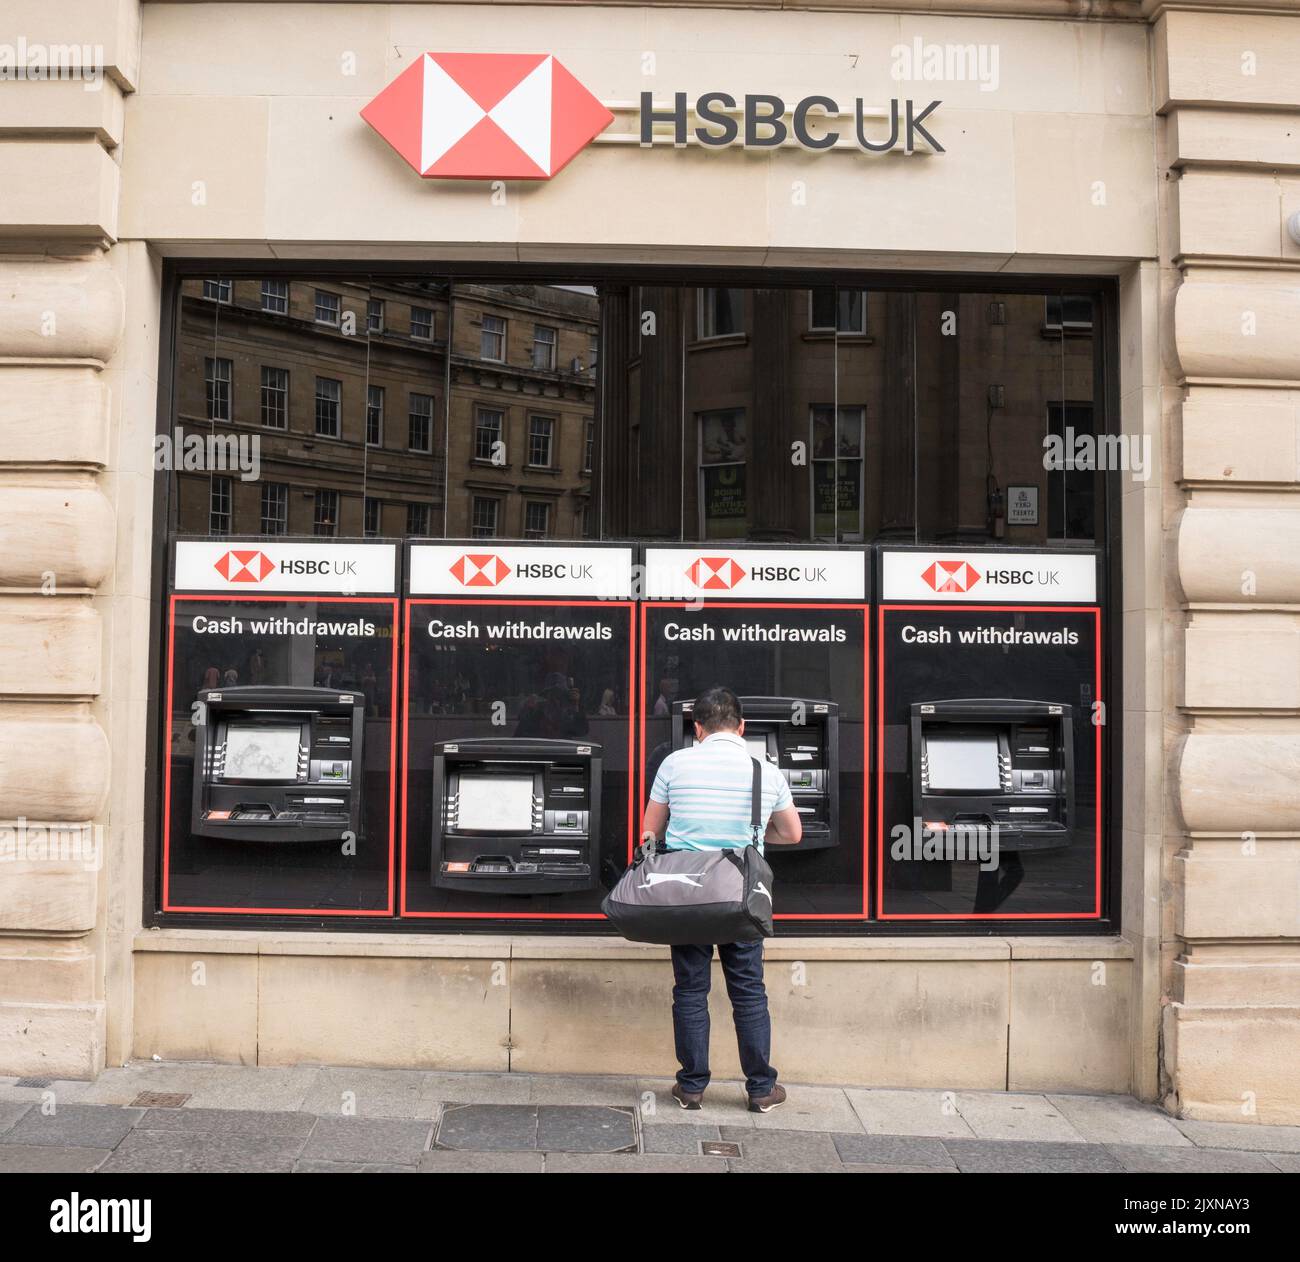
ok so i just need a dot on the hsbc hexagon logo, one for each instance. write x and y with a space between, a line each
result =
243 567
479 569
951 576
487 116
715 574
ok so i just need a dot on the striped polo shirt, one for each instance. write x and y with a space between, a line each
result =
707 789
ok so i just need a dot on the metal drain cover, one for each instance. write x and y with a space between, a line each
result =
719 1148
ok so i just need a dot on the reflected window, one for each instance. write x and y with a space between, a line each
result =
275 508
492 344
589 447
417 519
217 376
329 407
544 348
537 519
422 324
218 290
720 312
373 514
593 356
219 506
487 435
1067 313
541 438
327 308
832 310
275 297
722 454
374 315
837 440
325 515
275 397
483 521
419 435
374 416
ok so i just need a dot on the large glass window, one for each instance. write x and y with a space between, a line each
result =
329 407
275 397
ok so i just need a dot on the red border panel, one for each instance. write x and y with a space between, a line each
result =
631 732
290 598
863 608
881 914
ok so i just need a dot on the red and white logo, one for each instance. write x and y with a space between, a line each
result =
243 567
479 569
715 573
486 116
951 576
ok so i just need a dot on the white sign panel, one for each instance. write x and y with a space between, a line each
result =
229 565
991 577
1022 505
721 573
487 569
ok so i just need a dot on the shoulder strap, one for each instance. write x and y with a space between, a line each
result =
756 803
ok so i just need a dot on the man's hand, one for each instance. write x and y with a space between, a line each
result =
785 828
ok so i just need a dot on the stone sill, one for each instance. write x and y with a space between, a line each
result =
532 947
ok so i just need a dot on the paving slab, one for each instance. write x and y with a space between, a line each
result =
584 1128
73 1126
1027 1156
446 1088
630 1163
1008 1115
1287 1162
188 1121
684 1140
41 1159
121 1085
383 1140
860 1167
583 1089
1151 1159
811 1109
782 1150
438 1162
1117 1119
1241 1135
370 1093
10 1112
488 1127
154 1151
247 1087
886 1150
63 1090
885 1111
348 1167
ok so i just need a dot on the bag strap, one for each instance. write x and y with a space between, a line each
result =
756 804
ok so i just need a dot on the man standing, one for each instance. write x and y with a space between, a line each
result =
701 800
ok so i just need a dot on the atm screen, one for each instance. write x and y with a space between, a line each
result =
963 763
262 752
498 804
757 746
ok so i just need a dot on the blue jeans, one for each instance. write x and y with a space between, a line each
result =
742 966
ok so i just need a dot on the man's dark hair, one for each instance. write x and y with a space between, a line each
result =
717 710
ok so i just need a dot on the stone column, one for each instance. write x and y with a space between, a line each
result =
61 319
1229 90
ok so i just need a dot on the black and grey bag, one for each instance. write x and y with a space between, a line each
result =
697 897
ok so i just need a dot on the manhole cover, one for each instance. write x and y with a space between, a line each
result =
160 1100
718 1148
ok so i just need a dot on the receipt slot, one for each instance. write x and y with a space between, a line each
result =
278 764
516 815
801 738
977 763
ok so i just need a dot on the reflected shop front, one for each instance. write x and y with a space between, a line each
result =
424 659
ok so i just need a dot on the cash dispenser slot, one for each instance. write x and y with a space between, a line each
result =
981 763
806 752
275 764
516 815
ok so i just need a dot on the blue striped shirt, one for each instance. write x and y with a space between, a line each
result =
707 789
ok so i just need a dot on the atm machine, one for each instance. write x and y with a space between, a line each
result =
516 815
980 762
278 764
806 753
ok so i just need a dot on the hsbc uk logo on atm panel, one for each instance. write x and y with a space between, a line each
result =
455 570
743 573
994 577
328 568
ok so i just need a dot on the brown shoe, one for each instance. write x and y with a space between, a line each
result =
693 1100
766 1103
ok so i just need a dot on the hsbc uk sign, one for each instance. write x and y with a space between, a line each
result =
518 570
988 577
718 573
524 116
265 566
